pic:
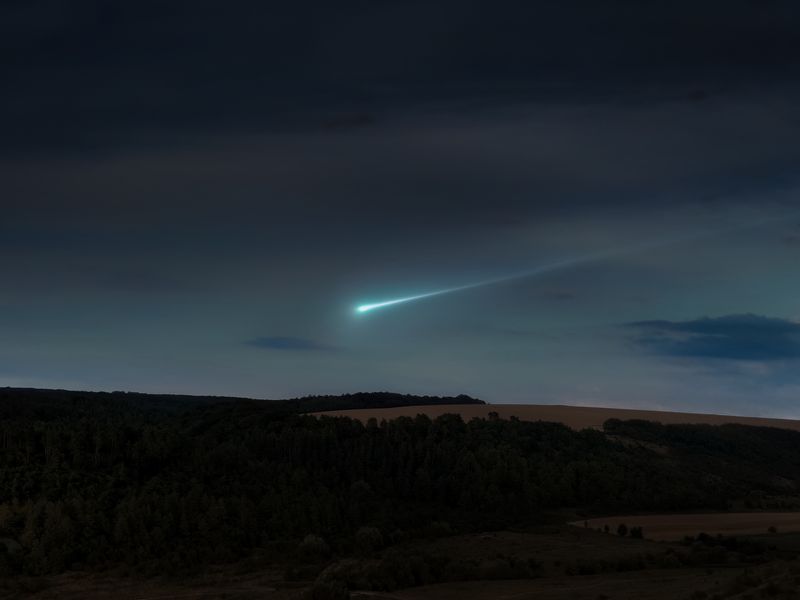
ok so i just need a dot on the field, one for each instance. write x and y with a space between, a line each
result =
572 563
640 585
651 584
676 527
576 417
215 584
553 548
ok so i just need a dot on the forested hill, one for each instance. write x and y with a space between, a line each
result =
114 484
52 404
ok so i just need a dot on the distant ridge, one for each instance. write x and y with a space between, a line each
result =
575 417
50 404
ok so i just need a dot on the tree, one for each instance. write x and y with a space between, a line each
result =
327 591
313 548
368 540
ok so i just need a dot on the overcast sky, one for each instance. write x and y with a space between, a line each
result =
195 196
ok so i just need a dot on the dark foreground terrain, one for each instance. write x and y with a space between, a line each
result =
548 563
134 496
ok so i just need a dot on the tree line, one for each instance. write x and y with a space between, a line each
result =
112 484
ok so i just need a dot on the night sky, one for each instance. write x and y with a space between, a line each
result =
196 195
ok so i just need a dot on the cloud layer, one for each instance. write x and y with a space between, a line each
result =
732 337
88 76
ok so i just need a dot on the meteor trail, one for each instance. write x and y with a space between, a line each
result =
570 262
529 273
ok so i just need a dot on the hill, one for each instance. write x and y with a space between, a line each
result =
47 404
575 417
106 484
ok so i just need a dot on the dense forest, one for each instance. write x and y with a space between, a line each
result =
91 482
48 405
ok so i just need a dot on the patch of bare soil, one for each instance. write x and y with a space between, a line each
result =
660 584
676 527
576 417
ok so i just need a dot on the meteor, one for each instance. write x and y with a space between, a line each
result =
567 263
368 307
529 273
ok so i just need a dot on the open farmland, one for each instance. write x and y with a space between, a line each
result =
215 584
677 526
576 417
639 585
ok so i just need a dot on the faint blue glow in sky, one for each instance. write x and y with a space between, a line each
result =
577 261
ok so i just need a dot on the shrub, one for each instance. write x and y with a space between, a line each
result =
586 567
313 547
460 570
439 529
361 574
368 540
496 568
324 590
302 572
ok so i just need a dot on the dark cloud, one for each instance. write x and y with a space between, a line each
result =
287 343
368 120
84 76
733 337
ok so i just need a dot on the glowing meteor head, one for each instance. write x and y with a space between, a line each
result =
362 308
367 307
